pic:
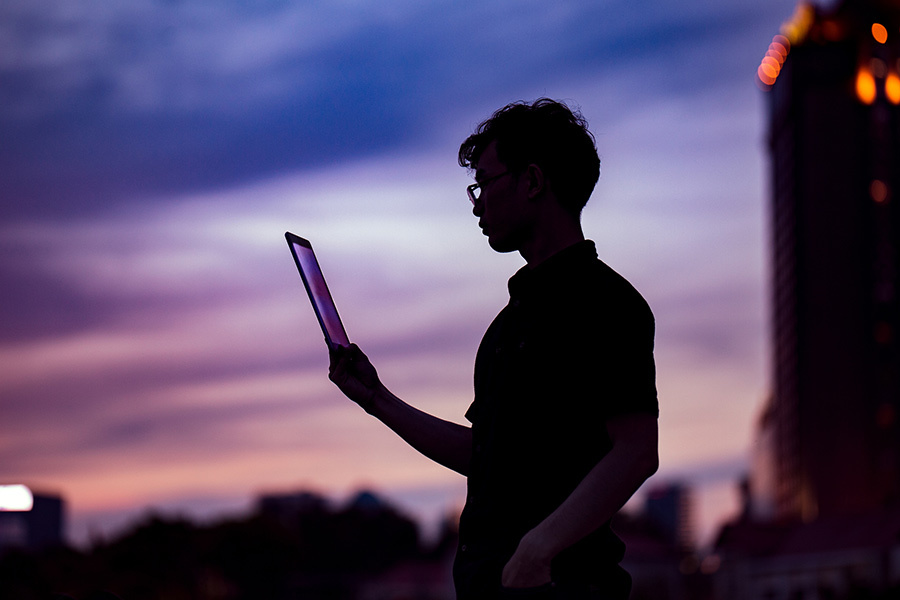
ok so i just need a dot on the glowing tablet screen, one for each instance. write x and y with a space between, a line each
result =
318 292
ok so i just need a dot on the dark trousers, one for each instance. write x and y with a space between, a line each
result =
480 580
616 586
565 591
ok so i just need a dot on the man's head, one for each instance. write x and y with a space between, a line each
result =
545 133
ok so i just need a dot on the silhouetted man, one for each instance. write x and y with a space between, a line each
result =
564 419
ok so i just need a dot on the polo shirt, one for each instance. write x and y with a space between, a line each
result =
572 348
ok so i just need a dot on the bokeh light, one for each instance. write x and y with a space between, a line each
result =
865 86
15 498
892 88
879 191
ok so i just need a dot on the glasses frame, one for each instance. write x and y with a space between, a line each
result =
470 190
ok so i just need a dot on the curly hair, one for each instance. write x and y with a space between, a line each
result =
546 133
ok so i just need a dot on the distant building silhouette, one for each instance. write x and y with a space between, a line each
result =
366 543
287 506
670 508
831 434
40 526
659 550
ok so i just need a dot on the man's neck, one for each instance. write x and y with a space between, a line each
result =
551 241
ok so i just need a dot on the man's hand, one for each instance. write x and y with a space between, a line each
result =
529 565
442 441
352 372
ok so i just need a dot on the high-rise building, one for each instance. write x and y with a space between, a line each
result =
832 428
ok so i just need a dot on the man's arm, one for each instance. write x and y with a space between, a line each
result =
604 490
444 442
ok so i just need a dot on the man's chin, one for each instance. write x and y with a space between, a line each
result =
502 246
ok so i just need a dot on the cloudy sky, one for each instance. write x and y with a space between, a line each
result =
157 349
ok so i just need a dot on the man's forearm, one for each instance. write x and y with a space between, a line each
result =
605 489
444 442
602 492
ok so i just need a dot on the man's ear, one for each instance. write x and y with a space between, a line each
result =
536 181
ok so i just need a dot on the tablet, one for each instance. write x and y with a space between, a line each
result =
318 292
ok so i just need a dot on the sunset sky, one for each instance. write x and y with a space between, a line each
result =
157 350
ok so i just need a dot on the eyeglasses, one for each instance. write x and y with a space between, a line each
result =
474 190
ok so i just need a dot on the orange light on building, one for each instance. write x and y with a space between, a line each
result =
879 32
879 191
770 66
892 88
796 28
832 31
771 62
865 86
778 51
783 42
767 75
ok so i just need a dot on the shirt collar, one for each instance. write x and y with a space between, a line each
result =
529 281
